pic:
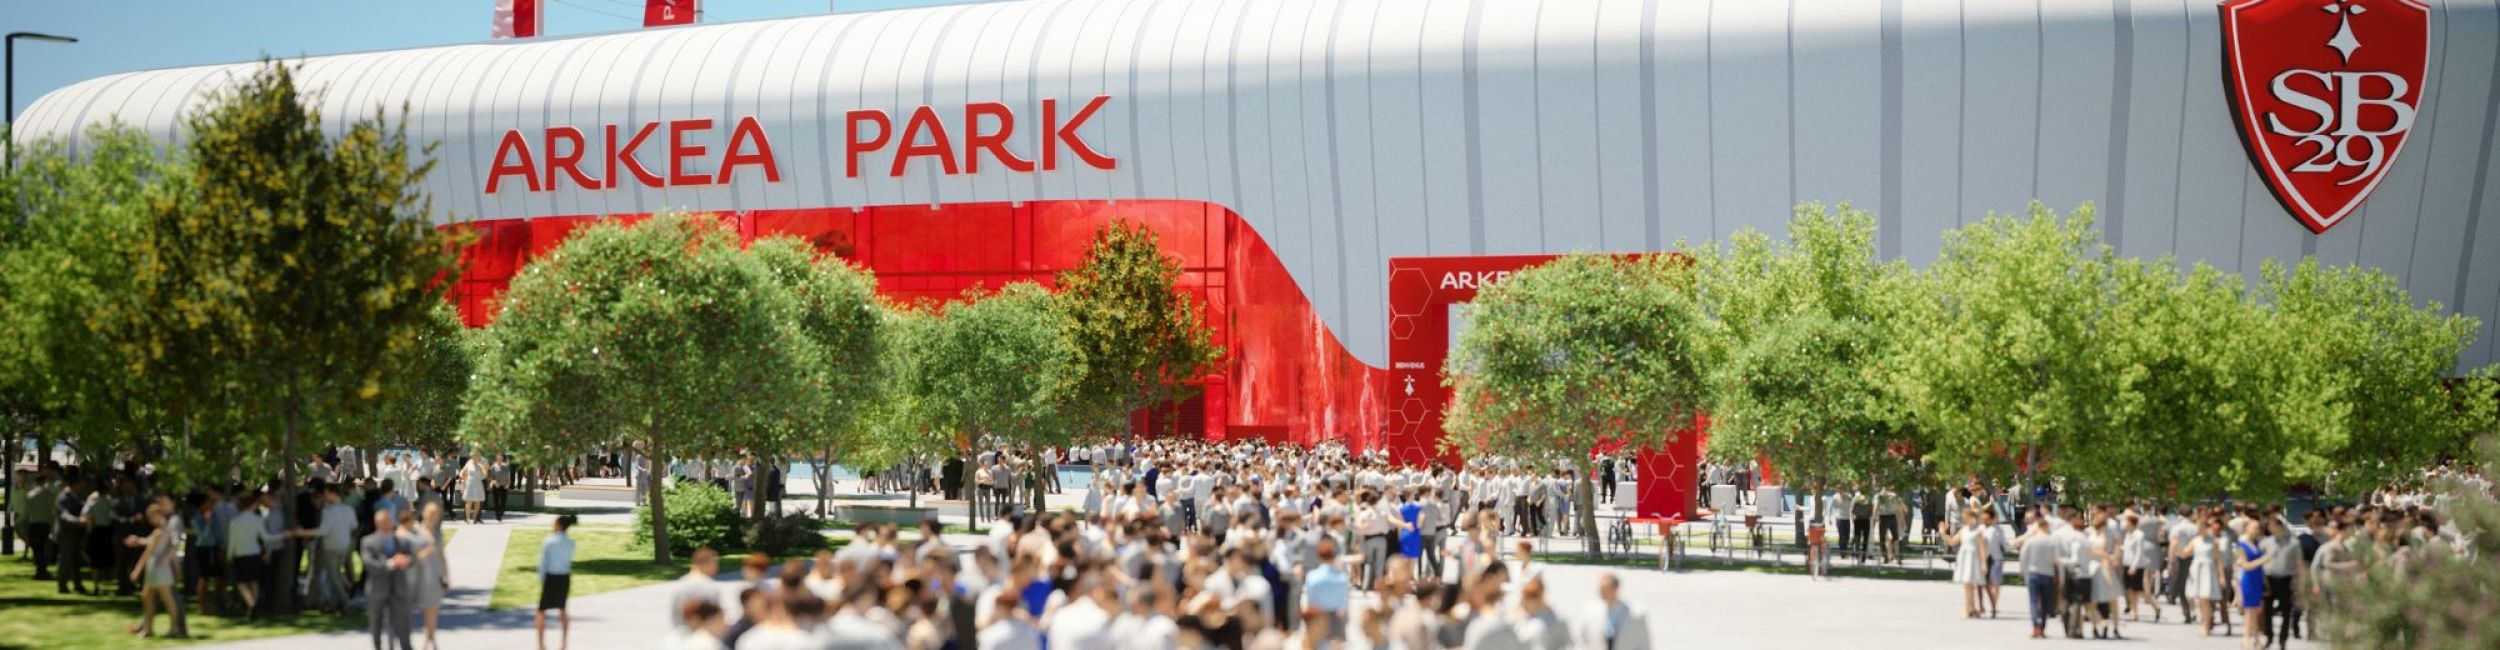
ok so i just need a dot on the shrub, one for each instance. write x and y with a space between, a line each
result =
2438 599
699 515
789 534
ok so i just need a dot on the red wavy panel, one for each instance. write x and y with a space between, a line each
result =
1284 376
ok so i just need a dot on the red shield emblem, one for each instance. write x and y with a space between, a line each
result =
2325 92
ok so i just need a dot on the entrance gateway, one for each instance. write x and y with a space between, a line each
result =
1428 300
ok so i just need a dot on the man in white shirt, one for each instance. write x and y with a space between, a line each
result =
1145 627
319 470
1238 584
2039 565
1004 625
1429 520
1611 623
1085 623
697 585
1842 503
333 541
2073 551
2182 534
246 542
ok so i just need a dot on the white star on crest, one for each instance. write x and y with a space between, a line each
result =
2344 43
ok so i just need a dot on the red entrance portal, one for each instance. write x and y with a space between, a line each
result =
1423 294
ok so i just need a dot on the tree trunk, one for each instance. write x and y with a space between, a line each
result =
913 482
8 535
293 422
659 506
821 462
1033 483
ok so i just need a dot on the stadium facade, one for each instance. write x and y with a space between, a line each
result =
1292 152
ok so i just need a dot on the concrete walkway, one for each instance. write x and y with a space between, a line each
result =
1703 609
1686 609
474 559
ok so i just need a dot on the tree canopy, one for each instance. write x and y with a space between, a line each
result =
1803 334
1580 348
212 305
76 353
996 366
663 336
2028 348
1137 342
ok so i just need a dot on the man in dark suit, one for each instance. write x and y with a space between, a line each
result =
387 555
1606 477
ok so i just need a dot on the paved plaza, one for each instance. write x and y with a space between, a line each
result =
1687 609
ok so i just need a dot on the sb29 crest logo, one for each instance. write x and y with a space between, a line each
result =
2325 93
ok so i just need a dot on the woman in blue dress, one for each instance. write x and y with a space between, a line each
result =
1411 535
2252 576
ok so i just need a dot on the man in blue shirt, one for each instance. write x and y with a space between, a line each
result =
555 583
1327 589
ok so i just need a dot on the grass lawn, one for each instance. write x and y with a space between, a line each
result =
33 616
603 561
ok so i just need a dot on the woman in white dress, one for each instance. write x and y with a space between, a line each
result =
2204 583
473 489
155 570
1970 562
2106 587
392 476
432 576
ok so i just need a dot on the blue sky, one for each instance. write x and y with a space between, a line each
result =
124 35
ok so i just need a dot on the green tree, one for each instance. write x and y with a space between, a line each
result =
420 404
2186 353
900 426
74 364
995 367
1138 340
662 336
837 320
1580 348
2008 371
2379 401
295 263
1802 333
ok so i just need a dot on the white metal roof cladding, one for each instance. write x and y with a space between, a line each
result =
1352 132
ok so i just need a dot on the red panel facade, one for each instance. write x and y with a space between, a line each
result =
1284 377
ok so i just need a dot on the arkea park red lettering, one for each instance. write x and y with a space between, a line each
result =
558 158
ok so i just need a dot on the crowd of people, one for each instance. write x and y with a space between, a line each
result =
262 549
2093 567
1188 545
1179 544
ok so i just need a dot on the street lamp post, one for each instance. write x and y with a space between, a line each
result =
8 94
10 83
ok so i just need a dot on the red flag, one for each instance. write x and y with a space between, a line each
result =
519 18
658 13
